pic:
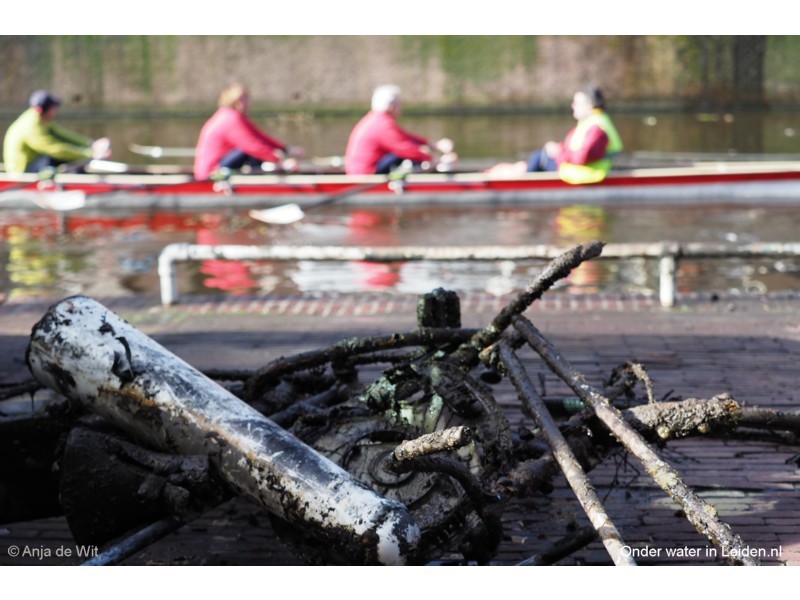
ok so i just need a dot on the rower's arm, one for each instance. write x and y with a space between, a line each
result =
59 143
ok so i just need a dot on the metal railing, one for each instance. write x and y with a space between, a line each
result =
667 253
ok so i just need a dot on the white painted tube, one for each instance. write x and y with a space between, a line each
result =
95 358
667 269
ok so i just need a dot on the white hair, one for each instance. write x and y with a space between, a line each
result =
384 97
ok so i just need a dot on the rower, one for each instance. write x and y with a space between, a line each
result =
229 140
587 153
35 142
377 144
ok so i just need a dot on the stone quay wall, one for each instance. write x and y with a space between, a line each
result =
184 74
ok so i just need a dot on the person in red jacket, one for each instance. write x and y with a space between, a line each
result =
229 139
378 144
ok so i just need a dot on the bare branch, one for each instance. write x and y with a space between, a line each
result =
351 347
702 515
578 481
438 441
467 355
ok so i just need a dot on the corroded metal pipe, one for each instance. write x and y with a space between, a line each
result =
95 358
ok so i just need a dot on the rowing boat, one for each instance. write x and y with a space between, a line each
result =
718 182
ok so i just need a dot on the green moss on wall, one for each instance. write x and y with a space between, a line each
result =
158 72
41 50
469 59
782 65
27 65
141 49
706 67
84 56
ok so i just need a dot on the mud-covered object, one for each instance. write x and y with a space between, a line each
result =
28 446
107 366
109 487
362 442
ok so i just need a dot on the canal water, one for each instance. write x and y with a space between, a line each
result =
48 254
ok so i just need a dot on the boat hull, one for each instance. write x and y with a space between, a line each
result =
724 182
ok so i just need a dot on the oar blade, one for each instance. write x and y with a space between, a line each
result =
280 215
161 151
107 166
60 201
151 151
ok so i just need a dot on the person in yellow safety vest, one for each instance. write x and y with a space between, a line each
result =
587 153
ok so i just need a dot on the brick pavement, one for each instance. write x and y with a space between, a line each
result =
745 346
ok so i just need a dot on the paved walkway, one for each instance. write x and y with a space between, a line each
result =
746 346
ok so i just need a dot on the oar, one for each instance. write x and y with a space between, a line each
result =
62 200
291 213
161 151
54 200
109 166
185 152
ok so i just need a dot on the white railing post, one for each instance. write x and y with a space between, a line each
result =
167 275
667 268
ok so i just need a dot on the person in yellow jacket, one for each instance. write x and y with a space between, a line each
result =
587 153
35 141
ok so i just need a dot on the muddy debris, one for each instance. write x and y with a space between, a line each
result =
410 467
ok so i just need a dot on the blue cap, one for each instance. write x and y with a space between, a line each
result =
43 99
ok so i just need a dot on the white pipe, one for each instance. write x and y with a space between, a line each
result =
167 276
667 268
93 357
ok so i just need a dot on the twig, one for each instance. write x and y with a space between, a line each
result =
438 441
767 418
688 417
228 374
11 390
467 354
562 548
351 347
576 477
702 515
316 403
717 416
641 373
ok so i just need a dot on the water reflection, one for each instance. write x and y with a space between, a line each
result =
374 228
51 254
32 269
362 228
577 225
415 226
232 276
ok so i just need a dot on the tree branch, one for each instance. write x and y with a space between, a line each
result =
702 515
467 354
577 479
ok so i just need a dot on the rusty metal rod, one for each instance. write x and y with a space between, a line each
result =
132 544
